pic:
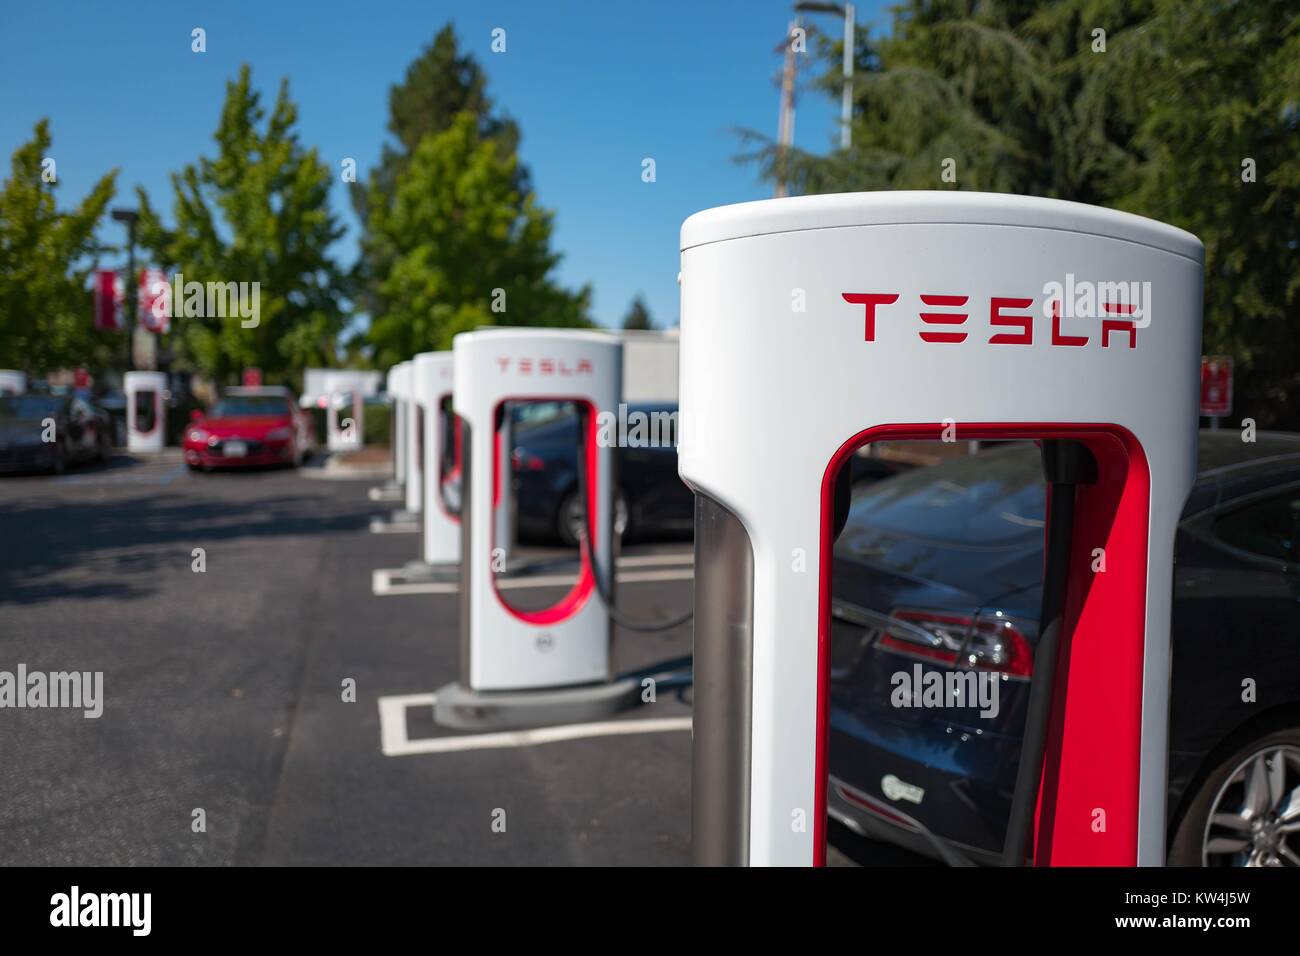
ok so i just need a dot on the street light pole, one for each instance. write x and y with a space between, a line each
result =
130 217
846 99
785 122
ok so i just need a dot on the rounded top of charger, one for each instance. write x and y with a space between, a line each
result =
143 378
922 207
527 333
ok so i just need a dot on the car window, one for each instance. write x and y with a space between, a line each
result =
1267 529
17 408
234 406
995 498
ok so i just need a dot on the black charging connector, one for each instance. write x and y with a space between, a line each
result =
584 542
1066 465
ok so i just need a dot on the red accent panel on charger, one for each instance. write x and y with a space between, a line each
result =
1094 747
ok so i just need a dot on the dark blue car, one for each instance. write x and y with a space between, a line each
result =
942 567
651 500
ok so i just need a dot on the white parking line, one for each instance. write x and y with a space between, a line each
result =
384 526
383 585
644 560
395 743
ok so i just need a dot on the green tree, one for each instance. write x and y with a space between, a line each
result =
466 247
257 212
45 304
439 85
638 315
1002 96
1213 93
1155 115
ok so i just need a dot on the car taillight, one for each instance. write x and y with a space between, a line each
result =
522 461
988 642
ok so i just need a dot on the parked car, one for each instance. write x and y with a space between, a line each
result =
249 427
82 431
651 498
944 563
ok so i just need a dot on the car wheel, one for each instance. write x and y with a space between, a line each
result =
1247 811
570 518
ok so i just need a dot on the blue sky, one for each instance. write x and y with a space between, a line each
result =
595 87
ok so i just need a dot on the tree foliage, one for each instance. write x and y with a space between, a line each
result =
46 316
638 315
256 212
439 85
467 249
1151 106
453 235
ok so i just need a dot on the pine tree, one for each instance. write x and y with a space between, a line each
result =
638 316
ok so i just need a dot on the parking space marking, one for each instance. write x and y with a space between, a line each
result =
384 526
643 560
383 585
394 741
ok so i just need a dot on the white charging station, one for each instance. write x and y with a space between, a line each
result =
433 387
398 423
411 427
12 382
345 419
146 418
392 490
811 326
519 667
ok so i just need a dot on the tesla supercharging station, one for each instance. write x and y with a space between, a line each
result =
551 665
393 490
811 326
411 426
406 460
146 419
431 388
345 433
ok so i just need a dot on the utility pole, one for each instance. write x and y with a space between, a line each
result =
785 121
131 283
846 97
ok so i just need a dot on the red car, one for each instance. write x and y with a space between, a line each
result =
248 427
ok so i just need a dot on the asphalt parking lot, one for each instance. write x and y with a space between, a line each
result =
224 691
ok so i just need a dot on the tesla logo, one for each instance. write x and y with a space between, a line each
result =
545 366
944 320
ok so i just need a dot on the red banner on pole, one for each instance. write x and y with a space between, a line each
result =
108 299
1216 385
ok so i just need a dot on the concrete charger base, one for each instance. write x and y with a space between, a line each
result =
462 708
418 572
389 491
